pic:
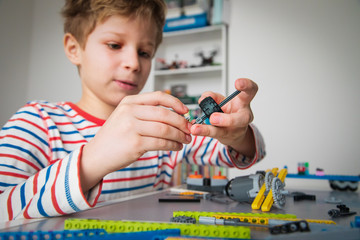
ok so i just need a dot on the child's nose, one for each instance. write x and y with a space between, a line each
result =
131 60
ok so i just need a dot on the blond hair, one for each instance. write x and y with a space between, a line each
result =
82 16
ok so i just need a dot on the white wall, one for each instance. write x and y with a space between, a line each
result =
15 28
304 55
33 63
51 77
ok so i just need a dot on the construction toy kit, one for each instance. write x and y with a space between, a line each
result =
261 191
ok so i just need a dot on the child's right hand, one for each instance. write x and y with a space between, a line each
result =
140 123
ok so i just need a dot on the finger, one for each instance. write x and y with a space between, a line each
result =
160 144
163 131
248 89
216 96
156 99
241 118
162 115
208 130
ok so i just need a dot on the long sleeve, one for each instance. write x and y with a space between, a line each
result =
36 172
209 151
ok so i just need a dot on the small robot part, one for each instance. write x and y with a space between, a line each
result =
344 185
215 184
297 226
299 196
183 219
342 210
244 188
278 192
209 106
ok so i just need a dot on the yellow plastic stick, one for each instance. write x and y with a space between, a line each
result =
261 194
269 200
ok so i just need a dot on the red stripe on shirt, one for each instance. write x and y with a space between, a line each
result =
10 212
27 121
20 159
221 159
167 164
14 175
212 153
30 143
26 213
35 183
195 162
161 181
194 156
53 195
148 158
128 179
176 158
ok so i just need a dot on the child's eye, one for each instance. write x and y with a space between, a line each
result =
114 46
145 54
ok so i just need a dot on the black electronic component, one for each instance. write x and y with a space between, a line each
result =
209 106
298 196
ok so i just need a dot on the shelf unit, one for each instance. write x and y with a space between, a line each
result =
182 46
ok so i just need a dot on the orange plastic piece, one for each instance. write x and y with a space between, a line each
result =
219 176
196 175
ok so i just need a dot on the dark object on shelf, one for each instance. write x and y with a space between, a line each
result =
206 61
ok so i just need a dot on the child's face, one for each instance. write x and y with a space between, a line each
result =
116 60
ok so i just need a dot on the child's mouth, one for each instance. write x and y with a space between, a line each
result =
126 85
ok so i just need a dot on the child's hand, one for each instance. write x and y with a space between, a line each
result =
140 123
231 127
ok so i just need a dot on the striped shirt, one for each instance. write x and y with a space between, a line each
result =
40 149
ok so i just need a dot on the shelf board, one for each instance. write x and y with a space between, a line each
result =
187 70
192 30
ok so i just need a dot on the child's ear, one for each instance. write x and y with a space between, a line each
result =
72 49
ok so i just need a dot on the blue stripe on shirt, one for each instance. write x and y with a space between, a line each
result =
69 132
27 112
227 157
29 132
163 172
184 155
206 148
25 151
60 150
22 196
67 186
137 168
39 204
89 136
10 166
3 184
56 114
126 189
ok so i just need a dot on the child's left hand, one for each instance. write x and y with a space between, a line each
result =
232 127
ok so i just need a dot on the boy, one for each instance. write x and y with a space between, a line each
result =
61 158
